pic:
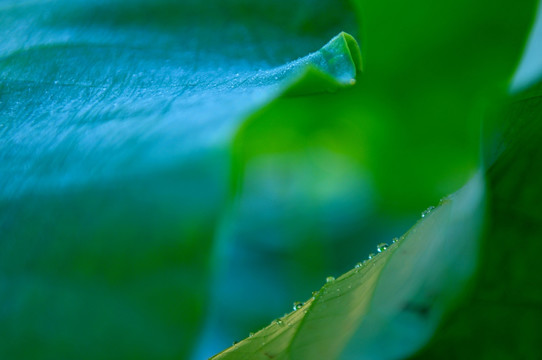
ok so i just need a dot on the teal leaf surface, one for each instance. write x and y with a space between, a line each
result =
115 120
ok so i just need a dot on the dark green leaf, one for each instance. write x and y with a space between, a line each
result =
502 316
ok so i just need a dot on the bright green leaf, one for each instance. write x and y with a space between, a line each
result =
408 286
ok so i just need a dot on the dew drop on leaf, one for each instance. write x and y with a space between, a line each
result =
381 247
427 211
297 305
330 279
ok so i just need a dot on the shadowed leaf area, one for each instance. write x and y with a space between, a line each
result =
501 318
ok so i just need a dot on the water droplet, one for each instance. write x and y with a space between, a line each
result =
314 293
235 343
276 77
298 305
330 279
251 334
278 322
427 211
352 81
371 255
358 265
381 247
394 240
56 82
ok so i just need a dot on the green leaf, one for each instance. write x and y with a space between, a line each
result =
408 286
431 71
115 122
502 315
413 123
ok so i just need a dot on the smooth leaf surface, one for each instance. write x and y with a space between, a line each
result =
115 121
408 286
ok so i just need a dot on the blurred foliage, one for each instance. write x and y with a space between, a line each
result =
390 298
430 72
399 297
501 318
125 123
412 124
